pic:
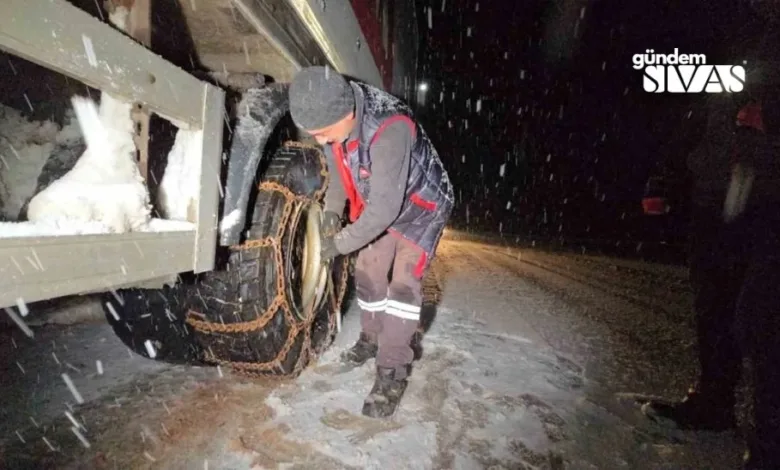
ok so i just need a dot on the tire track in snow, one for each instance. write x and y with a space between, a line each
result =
633 315
628 344
615 284
625 347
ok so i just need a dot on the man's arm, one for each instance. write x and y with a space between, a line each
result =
335 196
390 161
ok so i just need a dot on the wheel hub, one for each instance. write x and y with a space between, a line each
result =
309 275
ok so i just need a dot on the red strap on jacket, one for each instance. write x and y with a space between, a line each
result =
750 116
356 203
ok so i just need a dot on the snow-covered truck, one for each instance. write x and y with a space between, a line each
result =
221 264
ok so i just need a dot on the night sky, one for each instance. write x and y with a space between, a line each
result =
543 122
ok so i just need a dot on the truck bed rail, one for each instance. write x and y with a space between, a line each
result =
39 268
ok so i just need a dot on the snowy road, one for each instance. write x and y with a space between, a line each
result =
530 362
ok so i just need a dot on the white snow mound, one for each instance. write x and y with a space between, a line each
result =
180 185
24 148
105 185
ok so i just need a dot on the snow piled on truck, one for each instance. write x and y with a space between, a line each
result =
25 148
102 193
105 186
180 185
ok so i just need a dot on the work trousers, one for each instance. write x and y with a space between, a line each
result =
390 307
735 273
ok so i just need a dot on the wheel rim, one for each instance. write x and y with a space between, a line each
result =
307 273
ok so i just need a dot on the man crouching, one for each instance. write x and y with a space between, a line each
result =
400 199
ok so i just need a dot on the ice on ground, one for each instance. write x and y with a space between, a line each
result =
44 394
476 399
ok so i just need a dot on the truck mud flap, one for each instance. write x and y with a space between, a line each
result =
259 111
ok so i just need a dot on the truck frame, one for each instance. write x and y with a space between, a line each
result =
85 49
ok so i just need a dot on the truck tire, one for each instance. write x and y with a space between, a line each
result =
273 308
151 323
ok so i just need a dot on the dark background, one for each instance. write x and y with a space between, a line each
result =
564 112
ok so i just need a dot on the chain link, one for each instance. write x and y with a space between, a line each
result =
280 301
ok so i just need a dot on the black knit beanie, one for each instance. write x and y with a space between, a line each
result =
319 97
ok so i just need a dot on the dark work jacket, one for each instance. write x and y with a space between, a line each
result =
725 143
428 194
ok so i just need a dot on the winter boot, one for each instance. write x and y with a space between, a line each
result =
385 395
713 411
364 349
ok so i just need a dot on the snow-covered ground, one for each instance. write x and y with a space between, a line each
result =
530 362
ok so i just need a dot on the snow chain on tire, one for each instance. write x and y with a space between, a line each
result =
296 325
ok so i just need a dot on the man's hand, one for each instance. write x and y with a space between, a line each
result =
329 250
331 224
